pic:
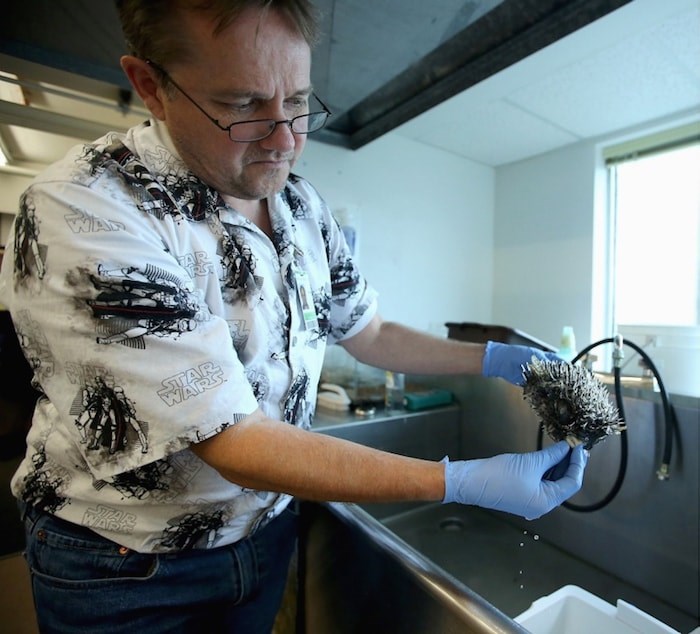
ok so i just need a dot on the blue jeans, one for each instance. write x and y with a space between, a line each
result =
85 583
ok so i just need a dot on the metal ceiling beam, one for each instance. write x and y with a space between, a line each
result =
21 170
52 122
49 74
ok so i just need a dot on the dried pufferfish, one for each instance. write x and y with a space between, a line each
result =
572 404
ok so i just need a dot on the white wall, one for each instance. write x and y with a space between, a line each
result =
425 223
543 243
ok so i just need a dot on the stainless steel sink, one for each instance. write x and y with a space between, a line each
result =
510 566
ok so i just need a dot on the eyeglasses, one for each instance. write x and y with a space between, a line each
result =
257 129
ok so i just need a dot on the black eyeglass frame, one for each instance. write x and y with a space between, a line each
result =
290 122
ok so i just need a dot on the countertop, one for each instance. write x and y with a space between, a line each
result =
327 419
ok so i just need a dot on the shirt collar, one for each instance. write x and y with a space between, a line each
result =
156 150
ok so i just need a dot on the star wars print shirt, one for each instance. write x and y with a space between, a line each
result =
155 316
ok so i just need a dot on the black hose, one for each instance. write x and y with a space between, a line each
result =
662 473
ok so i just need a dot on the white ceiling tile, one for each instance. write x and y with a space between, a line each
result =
680 35
637 80
493 133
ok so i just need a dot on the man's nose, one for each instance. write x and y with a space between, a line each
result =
282 138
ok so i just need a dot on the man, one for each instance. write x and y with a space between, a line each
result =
159 290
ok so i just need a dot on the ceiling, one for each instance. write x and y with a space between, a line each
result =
493 80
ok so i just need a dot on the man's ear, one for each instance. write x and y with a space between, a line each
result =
144 79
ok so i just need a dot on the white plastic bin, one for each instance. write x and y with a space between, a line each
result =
573 610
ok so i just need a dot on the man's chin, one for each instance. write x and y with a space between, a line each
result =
258 181
258 192
271 181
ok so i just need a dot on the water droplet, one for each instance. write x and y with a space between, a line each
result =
521 586
521 544
536 537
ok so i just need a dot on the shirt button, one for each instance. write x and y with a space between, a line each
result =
123 550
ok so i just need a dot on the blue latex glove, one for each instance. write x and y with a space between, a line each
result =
506 361
515 483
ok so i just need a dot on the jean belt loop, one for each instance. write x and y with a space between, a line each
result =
28 512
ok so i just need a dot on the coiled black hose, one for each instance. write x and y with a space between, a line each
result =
663 472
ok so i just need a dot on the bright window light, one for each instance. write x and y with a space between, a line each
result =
657 268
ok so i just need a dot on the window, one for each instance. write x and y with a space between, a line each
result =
657 230
654 274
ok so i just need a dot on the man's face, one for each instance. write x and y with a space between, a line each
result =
252 70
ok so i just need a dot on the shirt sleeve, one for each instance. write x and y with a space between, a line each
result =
122 341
